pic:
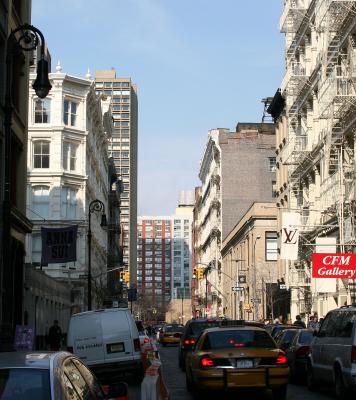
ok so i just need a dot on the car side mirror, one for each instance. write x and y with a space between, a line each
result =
117 390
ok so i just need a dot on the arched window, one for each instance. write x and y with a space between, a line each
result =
40 201
41 154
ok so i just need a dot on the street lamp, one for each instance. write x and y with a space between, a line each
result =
94 206
255 308
24 38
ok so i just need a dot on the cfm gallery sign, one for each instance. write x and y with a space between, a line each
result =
333 265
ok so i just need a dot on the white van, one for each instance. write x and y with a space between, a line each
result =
108 342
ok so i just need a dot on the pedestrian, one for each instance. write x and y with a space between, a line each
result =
313 323
298 321
55 336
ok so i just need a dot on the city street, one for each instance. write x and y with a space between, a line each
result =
175 381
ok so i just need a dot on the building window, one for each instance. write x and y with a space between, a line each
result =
274 189
42 111
36 249
41 154
271 246
272 164
69 156
68 203
70 113
40 201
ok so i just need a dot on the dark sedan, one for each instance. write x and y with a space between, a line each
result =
49 376
297 353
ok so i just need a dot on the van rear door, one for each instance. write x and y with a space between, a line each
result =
86 333
117 338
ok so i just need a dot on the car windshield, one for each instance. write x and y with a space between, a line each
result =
238 338
305 337
174 328
196 328
24 384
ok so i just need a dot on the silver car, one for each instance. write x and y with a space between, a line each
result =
332 357
49 376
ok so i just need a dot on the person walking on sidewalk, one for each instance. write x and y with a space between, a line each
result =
55 336
298 321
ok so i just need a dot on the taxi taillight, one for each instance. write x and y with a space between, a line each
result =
206 361
189 341
281 359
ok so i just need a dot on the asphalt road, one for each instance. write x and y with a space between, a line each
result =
175 381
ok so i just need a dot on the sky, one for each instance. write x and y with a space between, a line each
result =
198 65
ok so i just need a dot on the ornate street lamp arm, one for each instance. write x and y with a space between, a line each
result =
96 206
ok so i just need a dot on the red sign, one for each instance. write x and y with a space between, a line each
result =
333 265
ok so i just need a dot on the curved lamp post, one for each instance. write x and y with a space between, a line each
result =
94 206
24 38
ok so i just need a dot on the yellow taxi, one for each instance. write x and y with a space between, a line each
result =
171 334
237 357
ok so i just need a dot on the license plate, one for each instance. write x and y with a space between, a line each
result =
116 348
244 363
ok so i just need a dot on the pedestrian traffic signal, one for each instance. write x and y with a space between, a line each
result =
122 275
195 273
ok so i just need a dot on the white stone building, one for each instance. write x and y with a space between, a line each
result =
67 168
316 115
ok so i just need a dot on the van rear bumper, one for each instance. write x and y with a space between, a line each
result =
110 372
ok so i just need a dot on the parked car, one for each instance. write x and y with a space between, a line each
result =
298 351
274 329
332 355
108 342
50 376
234 357
284 338
192 331
170 334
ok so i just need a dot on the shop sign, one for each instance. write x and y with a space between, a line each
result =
334 265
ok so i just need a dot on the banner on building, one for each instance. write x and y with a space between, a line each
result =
59 245
290 236
333 265
324 246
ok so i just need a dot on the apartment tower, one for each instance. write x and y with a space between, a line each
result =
123 150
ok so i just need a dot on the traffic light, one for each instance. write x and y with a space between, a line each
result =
122 275
200 273
126 276
195 273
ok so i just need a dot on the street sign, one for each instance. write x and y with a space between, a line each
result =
282 286
237 288
256 301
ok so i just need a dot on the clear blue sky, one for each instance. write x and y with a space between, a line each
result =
198 64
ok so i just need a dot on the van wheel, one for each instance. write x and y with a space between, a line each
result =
279 393
340 388
311 385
